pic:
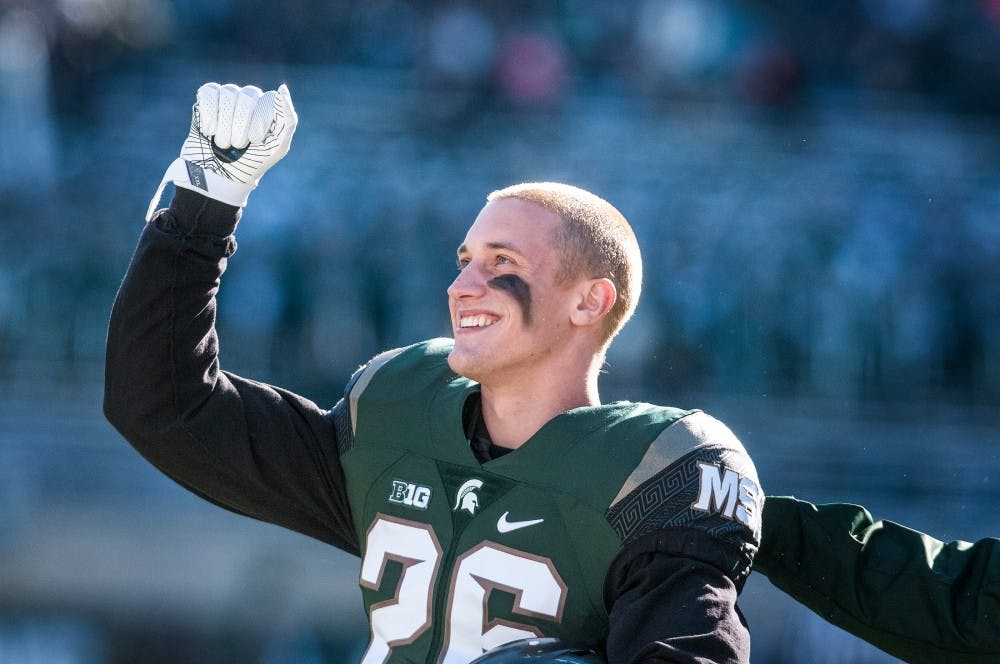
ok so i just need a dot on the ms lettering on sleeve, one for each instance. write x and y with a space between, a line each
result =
725 492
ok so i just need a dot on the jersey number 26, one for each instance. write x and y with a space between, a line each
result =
538 590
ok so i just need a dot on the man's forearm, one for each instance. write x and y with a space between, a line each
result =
666 607
252 448
162 346
911 595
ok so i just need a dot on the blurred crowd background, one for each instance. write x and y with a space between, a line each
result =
815 185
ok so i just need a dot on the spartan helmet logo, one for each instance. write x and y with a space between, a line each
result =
466 498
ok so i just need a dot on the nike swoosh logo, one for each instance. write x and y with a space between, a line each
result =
505 526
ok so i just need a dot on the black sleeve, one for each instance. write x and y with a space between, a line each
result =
254 449
671 597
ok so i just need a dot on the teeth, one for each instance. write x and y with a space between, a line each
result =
475 321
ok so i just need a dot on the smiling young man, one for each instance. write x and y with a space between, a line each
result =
488 493
530 316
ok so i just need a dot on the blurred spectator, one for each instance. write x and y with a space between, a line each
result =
532 69
768 74
461 43
683 42
460 55
29 154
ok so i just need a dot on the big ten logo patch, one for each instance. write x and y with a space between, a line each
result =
410 494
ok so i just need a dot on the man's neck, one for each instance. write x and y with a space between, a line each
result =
514 414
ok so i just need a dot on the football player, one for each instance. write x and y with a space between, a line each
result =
488 493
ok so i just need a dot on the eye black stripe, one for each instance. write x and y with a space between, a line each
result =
517 288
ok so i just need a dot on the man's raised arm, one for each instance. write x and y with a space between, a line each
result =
249 447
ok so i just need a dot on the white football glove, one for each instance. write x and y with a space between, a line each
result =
236 135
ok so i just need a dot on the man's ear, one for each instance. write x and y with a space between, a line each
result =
596 297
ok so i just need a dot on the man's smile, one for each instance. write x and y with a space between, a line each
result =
480 320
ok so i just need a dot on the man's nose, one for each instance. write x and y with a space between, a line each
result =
469 283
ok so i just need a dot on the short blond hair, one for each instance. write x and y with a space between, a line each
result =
597 242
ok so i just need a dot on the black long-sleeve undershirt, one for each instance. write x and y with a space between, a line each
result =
255 449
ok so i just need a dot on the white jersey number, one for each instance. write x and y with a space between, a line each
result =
538 590
400 620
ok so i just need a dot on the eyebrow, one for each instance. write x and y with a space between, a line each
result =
496 246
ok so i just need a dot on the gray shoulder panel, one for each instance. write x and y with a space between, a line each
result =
686 434
365 378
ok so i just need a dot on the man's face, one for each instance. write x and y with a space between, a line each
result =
508 313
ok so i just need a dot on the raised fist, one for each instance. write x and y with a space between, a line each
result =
236 135
239 133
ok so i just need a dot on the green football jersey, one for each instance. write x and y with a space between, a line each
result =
460 556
